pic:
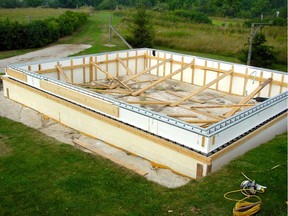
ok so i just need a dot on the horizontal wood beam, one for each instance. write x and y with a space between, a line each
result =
182 115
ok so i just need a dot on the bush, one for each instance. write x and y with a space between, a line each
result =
38 33
262 54
193 16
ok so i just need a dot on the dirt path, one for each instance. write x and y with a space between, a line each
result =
57 51
31 118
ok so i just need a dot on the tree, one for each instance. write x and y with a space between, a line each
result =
142 32
262 54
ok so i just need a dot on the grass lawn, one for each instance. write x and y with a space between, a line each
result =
41 176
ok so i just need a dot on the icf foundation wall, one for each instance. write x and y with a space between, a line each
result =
190 146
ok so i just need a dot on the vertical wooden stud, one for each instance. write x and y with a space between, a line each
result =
84 71
270 86
282 82
205 73
213 140
127 62
209 169
199 171
72 70
231 80
106 63
158 63
136 63
90 69
164 66
192 71
182 63
58 74
29 67
218 74
95 70
203 141
260 82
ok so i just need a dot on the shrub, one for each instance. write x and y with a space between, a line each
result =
193 16
262 54
38 33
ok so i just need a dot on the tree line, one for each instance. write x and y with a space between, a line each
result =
38 33
226 8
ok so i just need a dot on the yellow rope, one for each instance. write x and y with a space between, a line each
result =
243 207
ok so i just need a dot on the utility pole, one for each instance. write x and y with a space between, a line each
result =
253 32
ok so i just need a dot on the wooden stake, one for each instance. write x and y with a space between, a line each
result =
249 97
161 80
201 89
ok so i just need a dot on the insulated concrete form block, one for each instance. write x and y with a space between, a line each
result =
186 148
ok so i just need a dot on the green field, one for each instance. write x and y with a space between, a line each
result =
216 41
41 176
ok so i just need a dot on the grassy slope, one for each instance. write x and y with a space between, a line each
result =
40 176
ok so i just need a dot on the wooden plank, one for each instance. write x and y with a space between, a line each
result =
16 74
90 69
231 80
72 71
109 157
124 65
85 100
63 74
161 79
141 73
201 89
111 76
199 171
202 113
249 97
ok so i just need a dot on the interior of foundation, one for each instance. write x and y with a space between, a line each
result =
203 109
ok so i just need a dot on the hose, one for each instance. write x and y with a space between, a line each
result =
245 206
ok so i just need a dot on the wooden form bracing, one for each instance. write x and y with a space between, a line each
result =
143 72
63 74
162 79
109 76
249 97
201 89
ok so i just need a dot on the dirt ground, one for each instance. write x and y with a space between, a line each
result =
52 52
31 118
